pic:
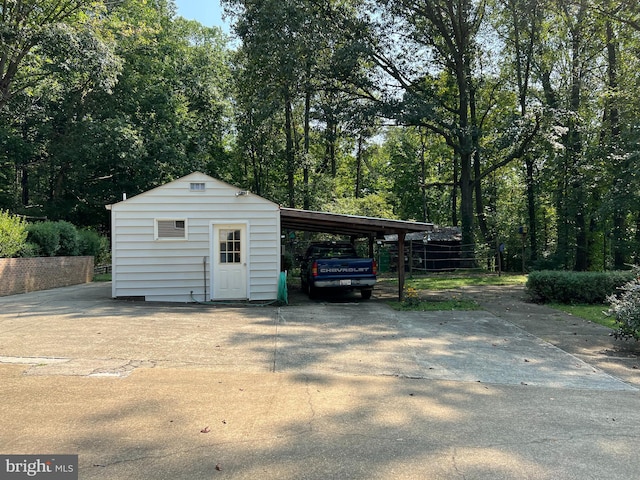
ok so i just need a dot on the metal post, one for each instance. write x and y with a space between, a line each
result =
401 237
523 246
411 259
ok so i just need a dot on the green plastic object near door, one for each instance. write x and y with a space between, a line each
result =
283 296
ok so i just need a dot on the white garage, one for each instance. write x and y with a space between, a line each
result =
195 239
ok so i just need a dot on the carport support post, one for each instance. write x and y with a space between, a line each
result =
401 236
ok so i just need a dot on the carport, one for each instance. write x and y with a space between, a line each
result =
354 226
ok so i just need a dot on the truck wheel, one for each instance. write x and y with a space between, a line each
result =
313 292
366 294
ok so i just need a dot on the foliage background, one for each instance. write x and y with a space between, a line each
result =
485 115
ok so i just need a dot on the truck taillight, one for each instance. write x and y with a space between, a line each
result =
375 268
314 269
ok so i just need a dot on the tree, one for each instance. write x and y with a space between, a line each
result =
519 22
572 68
39 38
439 74
419 161
617 139
48 50
447 31
86 142
292 66
273 54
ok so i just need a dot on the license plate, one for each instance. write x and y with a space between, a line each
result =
345 282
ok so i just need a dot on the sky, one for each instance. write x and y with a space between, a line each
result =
207 12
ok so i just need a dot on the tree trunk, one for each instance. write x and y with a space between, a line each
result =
611 123
477 171
465 141
24 184
636 260
574 145
423 174
307 141
466 209
523 71
359 154
289 152
531 207
454 192
331 134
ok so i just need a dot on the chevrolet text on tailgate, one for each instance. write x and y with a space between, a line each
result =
336 265
328 269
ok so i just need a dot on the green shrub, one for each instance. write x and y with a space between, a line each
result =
286 262
56 238
93 244
625 308
89 242
13 234
104 256
46 236
411 298
575 287
29 250
69 246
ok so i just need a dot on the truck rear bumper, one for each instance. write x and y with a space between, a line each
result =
345 283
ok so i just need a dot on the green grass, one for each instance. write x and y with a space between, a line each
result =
444 282
592 313
102 277
414 285
435 305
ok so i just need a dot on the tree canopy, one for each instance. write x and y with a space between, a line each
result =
514 120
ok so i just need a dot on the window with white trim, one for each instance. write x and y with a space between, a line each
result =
171 229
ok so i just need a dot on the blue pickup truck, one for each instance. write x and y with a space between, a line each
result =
336 265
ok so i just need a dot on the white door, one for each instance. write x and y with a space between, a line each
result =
229 262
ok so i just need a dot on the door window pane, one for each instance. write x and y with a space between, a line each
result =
230 250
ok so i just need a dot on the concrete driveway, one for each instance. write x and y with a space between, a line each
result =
313 390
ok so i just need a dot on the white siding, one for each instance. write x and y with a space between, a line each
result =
170 269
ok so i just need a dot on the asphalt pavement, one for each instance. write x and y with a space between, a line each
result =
329 389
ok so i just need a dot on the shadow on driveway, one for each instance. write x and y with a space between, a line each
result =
316 390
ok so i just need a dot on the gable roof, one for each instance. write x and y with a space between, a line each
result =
302 220
192 177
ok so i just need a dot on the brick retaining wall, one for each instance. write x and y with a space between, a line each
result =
21 275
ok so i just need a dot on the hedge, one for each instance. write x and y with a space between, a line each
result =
552 286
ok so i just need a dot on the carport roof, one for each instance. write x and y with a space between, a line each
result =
351 225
